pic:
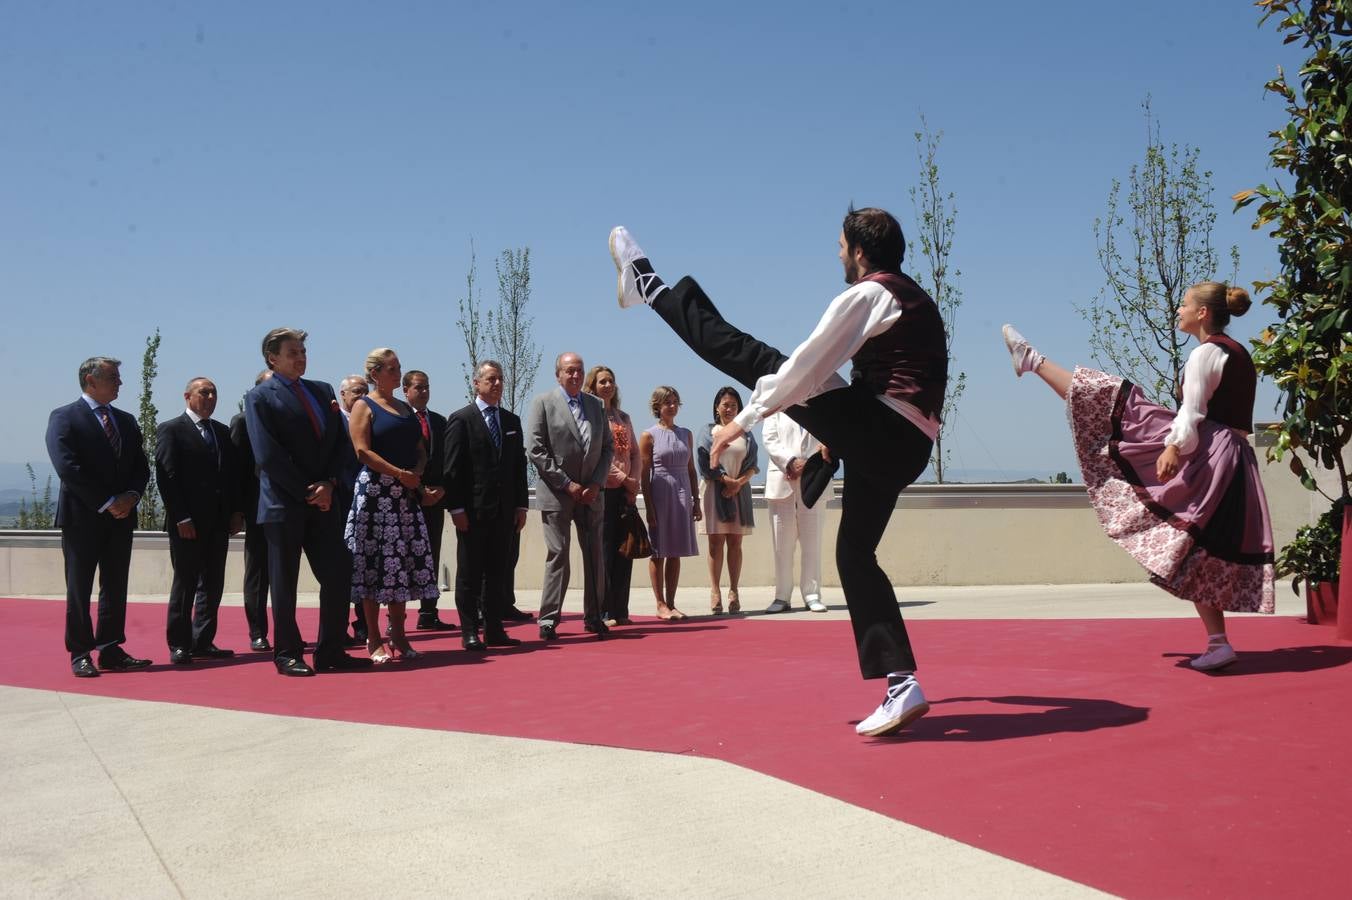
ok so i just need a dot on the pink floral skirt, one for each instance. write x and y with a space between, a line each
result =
1203 535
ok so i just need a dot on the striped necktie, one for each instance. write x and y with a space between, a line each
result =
491 419
109 429
575 404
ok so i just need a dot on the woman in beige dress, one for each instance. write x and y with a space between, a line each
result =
726 500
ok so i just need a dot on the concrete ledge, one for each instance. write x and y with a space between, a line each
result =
942 534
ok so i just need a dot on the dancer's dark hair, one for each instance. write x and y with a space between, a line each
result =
878 234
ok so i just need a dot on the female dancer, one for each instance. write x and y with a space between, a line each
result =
667 473
1178 491
386 532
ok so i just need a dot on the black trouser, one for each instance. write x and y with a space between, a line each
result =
101 543
882 452
619 569
195 593
435 517
256 580
320 536
482 562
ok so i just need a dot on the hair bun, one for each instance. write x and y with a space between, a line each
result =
1237 301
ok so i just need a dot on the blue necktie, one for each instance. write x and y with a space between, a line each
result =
210 438
491 418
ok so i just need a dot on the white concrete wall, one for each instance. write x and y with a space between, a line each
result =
940 534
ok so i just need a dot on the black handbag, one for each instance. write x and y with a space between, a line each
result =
635 544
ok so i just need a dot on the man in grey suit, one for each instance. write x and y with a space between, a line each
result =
570 444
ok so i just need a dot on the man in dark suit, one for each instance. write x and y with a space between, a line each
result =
255 541
197 474
418 391
98 455
485 475
571 446
297 436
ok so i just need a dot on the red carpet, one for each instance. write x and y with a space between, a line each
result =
1079 747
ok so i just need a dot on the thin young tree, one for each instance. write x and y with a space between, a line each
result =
148 510
936 215
511 330
1151 253
39 513
472 322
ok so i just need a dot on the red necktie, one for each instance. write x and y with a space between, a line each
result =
305 404
422 420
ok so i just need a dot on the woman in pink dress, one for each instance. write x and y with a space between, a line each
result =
619 496
1179 491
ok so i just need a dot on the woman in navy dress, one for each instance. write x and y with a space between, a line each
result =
391 554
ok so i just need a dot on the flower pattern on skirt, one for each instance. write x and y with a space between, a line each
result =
391 553
1118 435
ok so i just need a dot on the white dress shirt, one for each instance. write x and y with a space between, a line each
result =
864 310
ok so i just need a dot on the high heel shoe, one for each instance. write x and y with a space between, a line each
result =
716 602
380 654
734 603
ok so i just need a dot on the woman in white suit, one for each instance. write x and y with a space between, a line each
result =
788 445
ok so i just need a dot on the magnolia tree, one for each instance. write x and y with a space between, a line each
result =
1308 351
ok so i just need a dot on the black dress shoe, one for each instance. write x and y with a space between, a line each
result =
211 651
260 644
180 657
515 615
470 640
597 628
115 659
433 623
341 662
500 639
547 633
296 667
83 667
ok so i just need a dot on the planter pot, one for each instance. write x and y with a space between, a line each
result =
1321 603
1344 631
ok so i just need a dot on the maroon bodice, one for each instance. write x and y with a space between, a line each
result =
908 361
1232 402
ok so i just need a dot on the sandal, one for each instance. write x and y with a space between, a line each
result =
734 603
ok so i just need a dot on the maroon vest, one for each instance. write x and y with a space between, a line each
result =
908 361
1232 403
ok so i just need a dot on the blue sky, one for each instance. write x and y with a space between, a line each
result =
215 170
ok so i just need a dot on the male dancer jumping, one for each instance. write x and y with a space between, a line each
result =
882 424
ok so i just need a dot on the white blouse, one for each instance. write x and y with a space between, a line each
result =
1201 376
864 310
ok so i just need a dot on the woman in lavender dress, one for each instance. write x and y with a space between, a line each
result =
667 475
1179 491
386 532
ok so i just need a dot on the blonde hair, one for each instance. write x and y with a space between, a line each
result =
589 385
375 361
1223 301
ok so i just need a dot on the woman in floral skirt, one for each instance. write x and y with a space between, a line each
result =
1179 491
